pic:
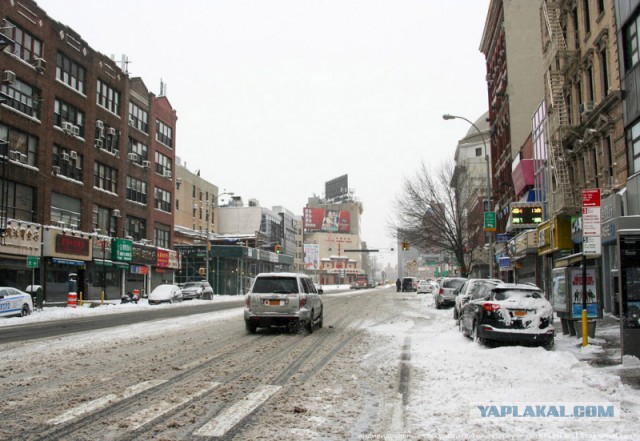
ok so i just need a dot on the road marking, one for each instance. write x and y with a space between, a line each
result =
101 403
149 414
231 416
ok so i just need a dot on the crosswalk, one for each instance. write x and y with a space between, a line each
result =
217 426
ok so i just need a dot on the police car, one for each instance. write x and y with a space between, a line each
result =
14 302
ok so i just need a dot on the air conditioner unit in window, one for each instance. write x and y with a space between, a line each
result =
132 157
75 131
99 124
112 131
23 158
55 170
116 153
65 156
167 174
40 64
115 213
132 122
67 127
586 107
8 77
73 154
146 164
14 155
99 143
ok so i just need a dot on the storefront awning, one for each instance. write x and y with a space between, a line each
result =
57 261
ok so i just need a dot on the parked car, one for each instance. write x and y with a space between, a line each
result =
424 287
14 302
197 290
465 292
287 300
361 282
507 312
409 284
447 291
165 294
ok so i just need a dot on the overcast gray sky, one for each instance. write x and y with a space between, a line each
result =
275 97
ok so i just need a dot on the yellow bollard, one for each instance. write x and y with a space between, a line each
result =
585 328
102 298
80 299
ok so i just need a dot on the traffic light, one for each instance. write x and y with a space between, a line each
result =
405 245
278 249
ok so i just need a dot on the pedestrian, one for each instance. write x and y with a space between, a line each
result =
398 285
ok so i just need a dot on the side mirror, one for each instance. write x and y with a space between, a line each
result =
320 291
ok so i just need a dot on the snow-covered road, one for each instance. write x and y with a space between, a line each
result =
386 365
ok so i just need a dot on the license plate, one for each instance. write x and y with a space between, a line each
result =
520 313
273 302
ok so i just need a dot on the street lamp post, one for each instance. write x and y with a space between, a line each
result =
486 157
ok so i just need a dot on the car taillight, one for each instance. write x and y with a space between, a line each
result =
490 307
303 301
441 291
248 301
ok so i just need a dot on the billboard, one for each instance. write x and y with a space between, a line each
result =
311 256
322 219
337 187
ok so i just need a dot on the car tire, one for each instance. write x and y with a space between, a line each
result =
310 323
321 319
437 305
25 311
475 333
462 329
455 313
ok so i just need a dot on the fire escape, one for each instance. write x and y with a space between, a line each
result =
556 59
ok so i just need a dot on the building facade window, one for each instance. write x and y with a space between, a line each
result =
164 165
105 178
68 163
20 201
108 97
139 149
27 47
633 148
66 113
162 235
138 118
22 97
135 227
66 211
164 133
23 147
136 190
103 220
604 72
163 200
71 73
630 43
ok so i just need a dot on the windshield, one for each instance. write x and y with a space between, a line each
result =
278 285
191 285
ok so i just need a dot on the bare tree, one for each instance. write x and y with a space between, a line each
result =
431 215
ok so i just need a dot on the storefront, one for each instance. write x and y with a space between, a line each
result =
22 239
554 242
524 248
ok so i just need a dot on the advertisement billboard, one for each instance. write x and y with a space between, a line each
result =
311 256
337 187
321 219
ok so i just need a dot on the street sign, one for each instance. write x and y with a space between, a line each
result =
591 226
33 262
489 221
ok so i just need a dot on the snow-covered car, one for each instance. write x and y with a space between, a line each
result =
165 294
14 302
197 290
466 291
516 313
283 299
424 287
447 291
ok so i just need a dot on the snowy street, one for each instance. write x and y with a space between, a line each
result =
385 365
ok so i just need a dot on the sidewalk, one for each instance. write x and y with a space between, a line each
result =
603 351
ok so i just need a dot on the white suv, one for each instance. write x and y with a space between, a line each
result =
283 299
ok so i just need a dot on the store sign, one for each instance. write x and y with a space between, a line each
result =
526 215
72 245
121 250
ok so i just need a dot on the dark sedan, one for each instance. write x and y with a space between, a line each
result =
516 313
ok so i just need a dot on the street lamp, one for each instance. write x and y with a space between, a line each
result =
486 157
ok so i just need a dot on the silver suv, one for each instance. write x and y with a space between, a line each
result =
287 300
197 290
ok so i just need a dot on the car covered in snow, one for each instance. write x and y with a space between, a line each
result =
197 290
424 287
516 313
470 287
287 300
448 290
165 294
14 302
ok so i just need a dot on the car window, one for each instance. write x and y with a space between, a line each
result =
516 294
278 285
453 283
